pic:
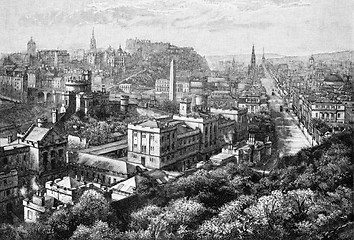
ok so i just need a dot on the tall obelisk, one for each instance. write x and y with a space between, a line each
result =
172 90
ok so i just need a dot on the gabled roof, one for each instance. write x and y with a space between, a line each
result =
127 186
69 182
37 134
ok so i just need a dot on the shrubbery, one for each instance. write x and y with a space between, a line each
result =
309 196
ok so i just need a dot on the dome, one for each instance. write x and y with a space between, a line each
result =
333 77
31 41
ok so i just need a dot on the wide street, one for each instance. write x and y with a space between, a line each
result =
290 137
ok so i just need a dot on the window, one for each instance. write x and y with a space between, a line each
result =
152 148
8 192
143 148
135 134
61 153
29 214
135 145
143 135
151 159
152 137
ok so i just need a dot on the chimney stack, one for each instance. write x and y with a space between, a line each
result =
185 107
54 115
103 88
39 122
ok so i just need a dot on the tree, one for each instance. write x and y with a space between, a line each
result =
92 206
229 223
61 224
98 231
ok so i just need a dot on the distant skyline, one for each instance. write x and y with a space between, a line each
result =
212 27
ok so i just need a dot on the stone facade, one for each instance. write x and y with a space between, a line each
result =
47 151
8 191
179 142
14 84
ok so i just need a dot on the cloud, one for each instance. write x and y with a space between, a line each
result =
281 25
158 12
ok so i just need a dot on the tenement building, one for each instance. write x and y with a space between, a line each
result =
15 155
8 192
14 84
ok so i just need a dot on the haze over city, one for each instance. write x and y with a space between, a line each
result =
212 27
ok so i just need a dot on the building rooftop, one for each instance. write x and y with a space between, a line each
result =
102 163
127 186
107 148
159 123
183 128
333 77
68 182
37 134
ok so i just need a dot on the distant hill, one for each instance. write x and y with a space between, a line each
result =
214 61
319 57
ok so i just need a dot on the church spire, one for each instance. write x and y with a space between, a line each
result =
263 57
93 41
253 58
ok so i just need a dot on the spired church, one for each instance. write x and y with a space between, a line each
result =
115 59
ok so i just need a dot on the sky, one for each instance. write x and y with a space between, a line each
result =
212 27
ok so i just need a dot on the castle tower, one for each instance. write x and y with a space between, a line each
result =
263 57
172 90
93 41
31 48
253 58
